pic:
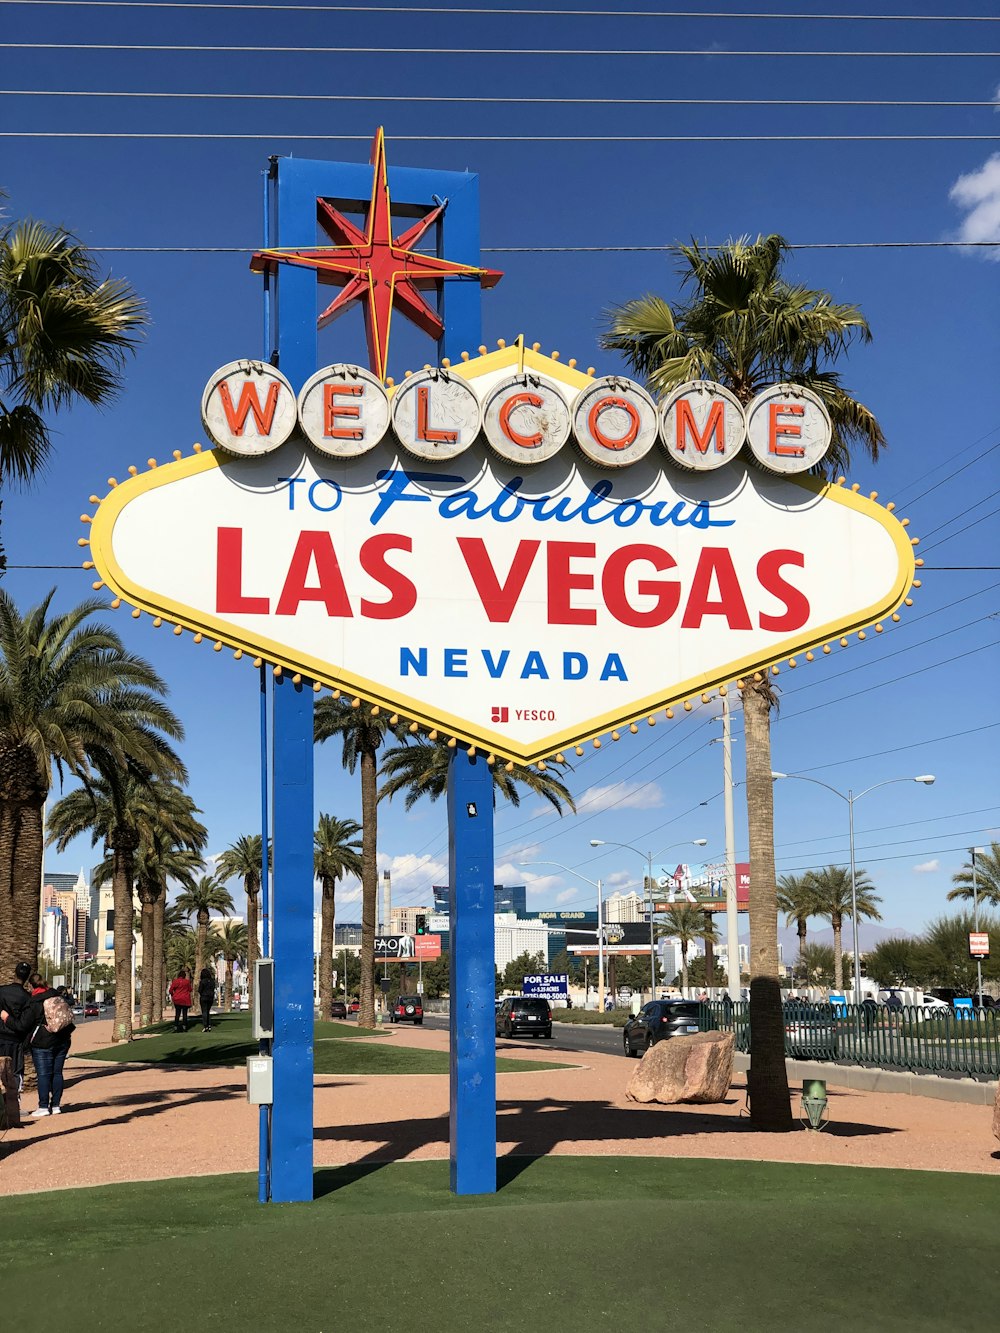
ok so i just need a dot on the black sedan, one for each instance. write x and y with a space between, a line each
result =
657 1021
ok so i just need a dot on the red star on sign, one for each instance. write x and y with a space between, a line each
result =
372 267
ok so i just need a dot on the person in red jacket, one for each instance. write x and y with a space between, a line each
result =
179 991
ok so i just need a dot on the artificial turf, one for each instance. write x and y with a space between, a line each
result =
566 1242
229 1043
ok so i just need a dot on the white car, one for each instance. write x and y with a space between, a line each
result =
932 1002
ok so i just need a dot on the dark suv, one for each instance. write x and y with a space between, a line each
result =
658 1020
524 1013
406 1009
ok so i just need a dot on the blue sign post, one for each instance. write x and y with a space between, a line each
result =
291 194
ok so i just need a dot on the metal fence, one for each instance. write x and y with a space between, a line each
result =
944 1041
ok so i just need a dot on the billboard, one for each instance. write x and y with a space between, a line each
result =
620 937
702 884
407 948
508 551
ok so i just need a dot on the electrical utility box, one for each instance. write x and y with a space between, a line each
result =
263 999
260 1080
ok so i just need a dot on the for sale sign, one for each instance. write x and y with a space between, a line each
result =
551 986
979 944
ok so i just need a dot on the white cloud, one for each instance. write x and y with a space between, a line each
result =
926 867
618 878
412 876
978 193
620 796
566 896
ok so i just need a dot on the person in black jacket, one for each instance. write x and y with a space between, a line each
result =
48 1050
206 996
14 998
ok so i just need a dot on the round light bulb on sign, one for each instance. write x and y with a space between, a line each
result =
525 420
788 429
702 426
614 422
249 408
344 411
436 415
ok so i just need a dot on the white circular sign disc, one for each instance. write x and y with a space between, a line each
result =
248 408
525 420
614 421
788 428
702 425
344 411
436 415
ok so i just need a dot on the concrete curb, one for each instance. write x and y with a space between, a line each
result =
860 1079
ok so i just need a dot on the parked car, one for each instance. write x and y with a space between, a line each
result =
810 1031
338 1009
406 1009
90 1009
524 1013
658 1020
354 1007
77 1010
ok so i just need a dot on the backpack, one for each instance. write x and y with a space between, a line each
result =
58 1015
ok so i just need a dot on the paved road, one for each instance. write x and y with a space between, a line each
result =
565 1036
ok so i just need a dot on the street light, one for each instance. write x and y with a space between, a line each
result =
927 779
973 851
600 922
648 858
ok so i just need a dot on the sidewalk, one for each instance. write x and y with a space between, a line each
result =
129 1122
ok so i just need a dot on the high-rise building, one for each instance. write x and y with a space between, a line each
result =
506 898
403 920
624 907
515 936
55 935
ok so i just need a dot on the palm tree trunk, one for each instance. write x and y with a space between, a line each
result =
147 899
159 978
201 938
9 821
227 1002
767 1078
253 948
369 887
327 910
837 922
27 880
123 843
801 926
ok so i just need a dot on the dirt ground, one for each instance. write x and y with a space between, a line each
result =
129 1122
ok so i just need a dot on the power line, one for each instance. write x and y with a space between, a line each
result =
961 533
572 250
503 138
498 100
898 749
957 471
511 11
603 54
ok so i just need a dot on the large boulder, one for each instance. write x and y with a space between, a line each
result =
698 1068
996 1115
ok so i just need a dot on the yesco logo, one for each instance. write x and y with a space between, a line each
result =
343 411
499 714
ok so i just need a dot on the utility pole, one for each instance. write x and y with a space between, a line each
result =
975 908
732 913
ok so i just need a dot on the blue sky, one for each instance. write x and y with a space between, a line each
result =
920 698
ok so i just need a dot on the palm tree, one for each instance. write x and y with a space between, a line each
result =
208 895
244 860
818 965
746 326
182 950
64 337
832 892
362 731
122 810
686 923
421 769
233 948
71 699
795 899
337 853
987 886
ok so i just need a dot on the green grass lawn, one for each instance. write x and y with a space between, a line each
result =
229 1043
623 1243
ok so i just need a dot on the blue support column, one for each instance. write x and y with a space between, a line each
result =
473 1045
292 949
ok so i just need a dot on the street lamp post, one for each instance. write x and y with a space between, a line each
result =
648 858
975 909
927 779
596 884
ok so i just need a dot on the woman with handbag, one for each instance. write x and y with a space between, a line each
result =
46 1025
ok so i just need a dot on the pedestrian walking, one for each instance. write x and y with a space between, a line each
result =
15 997
206 997
179 991
46 1027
